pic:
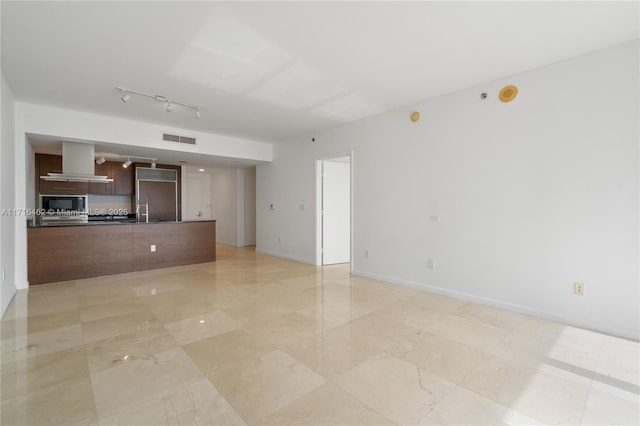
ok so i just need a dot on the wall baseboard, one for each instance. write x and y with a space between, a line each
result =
626 333
286 256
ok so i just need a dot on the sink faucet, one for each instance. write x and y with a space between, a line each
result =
146 209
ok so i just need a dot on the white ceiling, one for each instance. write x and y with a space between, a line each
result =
272 70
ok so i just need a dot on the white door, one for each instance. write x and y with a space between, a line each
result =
198 197
336 211
250 210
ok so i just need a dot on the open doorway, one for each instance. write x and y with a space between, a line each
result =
334 210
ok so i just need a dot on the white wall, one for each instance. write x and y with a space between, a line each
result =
228 205
70 124
530 196
289 181
7 197
224 204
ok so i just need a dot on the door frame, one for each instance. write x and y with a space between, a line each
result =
242 175
318 210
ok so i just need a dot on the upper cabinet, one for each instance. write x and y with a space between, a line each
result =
45 164
103 169
123 179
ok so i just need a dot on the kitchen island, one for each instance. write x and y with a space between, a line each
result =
74 251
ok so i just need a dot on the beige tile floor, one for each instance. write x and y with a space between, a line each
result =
252 339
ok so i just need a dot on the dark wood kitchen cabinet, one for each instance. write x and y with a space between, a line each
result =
161 199
62 253
103 169
46 163
122 179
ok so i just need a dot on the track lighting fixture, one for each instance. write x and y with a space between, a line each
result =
135 157
126 95
100 160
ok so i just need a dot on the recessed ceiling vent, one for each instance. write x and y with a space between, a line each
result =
180 139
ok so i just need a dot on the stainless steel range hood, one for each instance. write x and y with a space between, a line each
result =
77 165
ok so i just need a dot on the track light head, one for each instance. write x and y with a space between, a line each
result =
126 163
198 113
169 107
125 97
100 160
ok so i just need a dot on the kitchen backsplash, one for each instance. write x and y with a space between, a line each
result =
110 203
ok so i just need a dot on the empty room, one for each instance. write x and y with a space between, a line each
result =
320 213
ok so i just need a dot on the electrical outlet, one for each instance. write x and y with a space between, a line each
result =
367 254
578 289
153 248
279 240
431 264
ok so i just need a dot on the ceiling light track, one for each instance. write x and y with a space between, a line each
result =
126 95
128 162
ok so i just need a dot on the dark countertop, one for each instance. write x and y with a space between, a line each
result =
111 223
